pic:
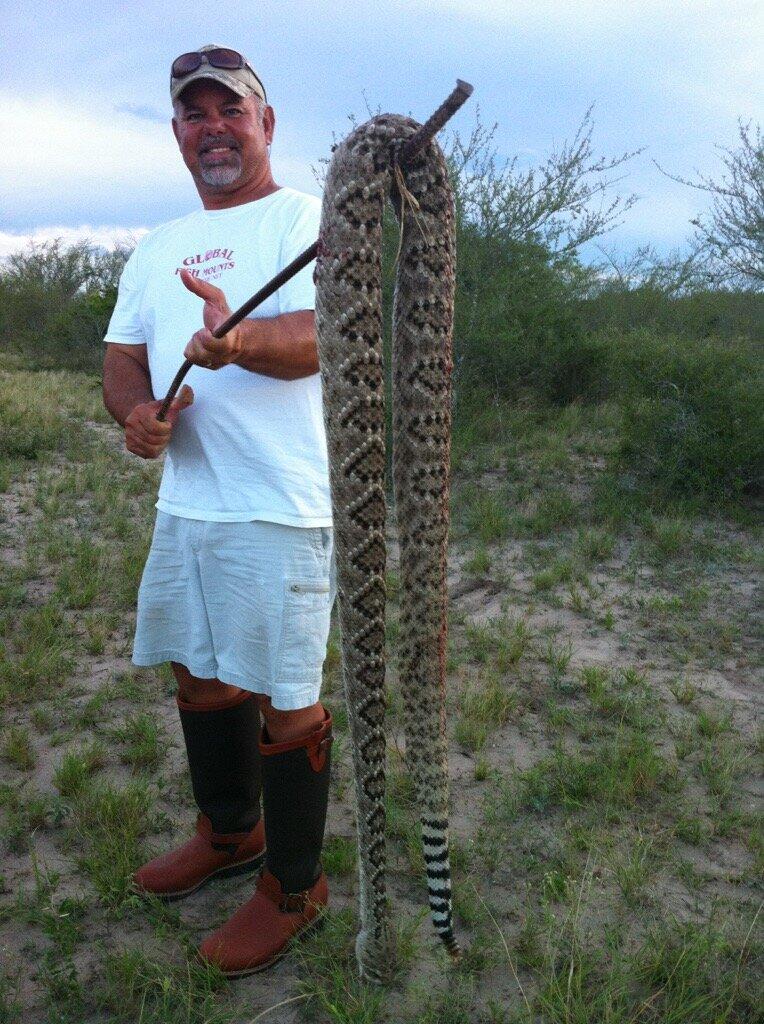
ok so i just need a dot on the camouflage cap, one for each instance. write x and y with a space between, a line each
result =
243 81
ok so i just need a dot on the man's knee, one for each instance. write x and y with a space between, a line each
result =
282 726
200 691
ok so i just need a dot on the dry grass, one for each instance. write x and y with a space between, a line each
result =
607 844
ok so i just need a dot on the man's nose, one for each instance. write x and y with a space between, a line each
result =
215 123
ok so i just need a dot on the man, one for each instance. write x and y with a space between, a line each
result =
236 592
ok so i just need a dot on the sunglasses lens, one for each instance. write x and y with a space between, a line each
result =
229 60
185 64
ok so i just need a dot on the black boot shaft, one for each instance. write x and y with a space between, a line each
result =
295 801
224 759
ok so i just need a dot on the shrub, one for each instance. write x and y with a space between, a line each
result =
693 415
56 301
701 313
75 338
517 326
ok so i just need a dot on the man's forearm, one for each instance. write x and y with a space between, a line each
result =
126 383
282 346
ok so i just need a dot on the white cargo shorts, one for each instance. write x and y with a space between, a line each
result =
247 603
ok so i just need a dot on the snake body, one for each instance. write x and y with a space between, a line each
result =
361 176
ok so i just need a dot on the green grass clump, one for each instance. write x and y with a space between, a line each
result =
721 764
633 867
76 769
338 855
29 426
555 509
138 989
98 708
479 563
560 571
711 724
24 811
40 414
487 516
61 920
480 641
36 654
625 771
670 537
330 975
83 576
452 1006
145 741
17 748
691 829
490 703
702 973
470 734
10 1005
596 680
514 639
594 545
558 659
112 823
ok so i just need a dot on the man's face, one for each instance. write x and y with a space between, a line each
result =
223 138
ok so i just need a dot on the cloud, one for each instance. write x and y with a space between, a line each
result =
72 165
56 141
144 113
702 57
75 164
105 236
549 16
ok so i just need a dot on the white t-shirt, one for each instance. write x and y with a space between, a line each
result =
250 446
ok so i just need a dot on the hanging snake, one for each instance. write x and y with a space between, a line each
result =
362 174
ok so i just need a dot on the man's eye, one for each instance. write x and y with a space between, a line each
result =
232 111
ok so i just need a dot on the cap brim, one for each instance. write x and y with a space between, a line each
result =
217 75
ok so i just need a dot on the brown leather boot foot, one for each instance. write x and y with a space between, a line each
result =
261 931
181 872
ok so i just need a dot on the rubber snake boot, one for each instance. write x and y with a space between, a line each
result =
224 760
292 891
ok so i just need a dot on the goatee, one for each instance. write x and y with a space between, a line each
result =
222 173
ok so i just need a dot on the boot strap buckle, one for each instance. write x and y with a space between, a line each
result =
294 902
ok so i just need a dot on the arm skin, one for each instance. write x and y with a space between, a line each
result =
127 396
283 347
126 380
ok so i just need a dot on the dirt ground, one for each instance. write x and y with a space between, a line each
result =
604 704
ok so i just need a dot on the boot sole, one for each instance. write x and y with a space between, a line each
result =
312 926
241 868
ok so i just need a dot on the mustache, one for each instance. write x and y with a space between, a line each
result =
208 144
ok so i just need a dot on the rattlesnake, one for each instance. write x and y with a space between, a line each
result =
348 321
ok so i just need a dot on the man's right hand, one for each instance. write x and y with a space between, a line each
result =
145 435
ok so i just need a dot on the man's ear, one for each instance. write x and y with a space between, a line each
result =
175 130
269 123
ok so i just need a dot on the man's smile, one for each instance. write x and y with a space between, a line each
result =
217 150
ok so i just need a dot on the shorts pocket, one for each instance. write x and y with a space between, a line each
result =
321 540
304 629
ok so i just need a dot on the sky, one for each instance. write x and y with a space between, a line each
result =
85 111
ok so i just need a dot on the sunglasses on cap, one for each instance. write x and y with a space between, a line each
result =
221 57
